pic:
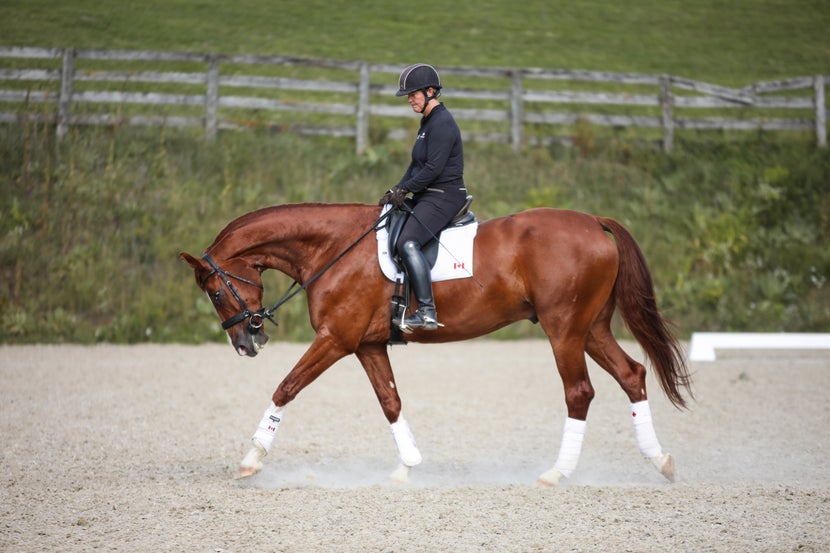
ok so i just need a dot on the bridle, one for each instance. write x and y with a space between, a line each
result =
255 318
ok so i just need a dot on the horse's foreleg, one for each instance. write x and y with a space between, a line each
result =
320 356
631 377
375 361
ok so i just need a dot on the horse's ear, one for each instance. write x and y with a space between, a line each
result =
190 260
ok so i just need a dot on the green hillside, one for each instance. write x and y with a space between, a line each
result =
722 42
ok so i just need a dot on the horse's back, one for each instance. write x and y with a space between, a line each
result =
549 235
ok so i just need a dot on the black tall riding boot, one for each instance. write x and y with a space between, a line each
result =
418 270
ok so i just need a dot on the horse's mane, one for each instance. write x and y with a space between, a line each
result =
253 216
241 221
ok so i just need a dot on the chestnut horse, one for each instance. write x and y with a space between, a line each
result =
566 270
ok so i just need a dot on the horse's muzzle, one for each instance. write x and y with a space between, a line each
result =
249 341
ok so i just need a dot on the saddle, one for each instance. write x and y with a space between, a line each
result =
399 218
431 250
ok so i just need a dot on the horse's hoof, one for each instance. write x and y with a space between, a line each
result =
400 475
668 468
550 479
245 472
665 464
252 462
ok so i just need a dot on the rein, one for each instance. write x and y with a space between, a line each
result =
255 317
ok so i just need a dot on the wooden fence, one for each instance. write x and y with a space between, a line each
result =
340 98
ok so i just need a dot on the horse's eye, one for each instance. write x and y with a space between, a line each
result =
216 296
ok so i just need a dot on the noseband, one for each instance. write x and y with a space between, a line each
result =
254 318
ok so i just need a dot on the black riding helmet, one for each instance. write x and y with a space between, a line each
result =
418 76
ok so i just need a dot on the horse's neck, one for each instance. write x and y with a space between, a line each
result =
295 239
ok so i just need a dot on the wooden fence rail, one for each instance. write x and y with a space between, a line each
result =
220 92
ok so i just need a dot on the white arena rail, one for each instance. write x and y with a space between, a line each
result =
704 344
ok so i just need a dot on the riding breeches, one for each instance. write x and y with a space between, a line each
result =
432 212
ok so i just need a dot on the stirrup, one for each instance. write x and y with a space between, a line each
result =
418 320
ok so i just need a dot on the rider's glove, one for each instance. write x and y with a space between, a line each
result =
395 196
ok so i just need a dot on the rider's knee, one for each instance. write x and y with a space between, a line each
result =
410 246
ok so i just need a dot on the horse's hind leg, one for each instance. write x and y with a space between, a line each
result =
631 376
375 361
570 360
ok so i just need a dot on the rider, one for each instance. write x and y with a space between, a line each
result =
435 177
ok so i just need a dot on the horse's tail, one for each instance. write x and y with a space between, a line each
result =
634 296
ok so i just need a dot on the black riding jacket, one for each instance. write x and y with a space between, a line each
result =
437 157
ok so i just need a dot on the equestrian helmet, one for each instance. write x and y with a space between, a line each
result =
418 76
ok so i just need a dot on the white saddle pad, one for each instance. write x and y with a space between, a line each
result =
455 254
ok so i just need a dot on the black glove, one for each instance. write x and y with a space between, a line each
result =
394 196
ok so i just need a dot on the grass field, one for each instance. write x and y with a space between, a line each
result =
729 43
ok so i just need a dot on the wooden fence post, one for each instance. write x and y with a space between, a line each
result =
668 119
212 98
65 100
516 109
362 130
821 111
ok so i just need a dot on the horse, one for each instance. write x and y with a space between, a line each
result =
566 270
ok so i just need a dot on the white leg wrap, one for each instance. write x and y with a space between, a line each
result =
644 430
407 450
267 429
571 448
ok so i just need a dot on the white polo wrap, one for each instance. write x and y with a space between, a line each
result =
267 429
407 450
644 430
572 437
